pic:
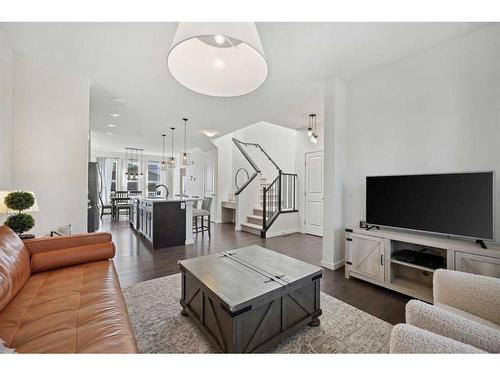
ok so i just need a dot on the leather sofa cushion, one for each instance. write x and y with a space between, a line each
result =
78 309
54 259
37 245
14 265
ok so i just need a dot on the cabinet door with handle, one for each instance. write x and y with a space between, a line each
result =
367 256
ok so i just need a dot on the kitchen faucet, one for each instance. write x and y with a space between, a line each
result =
166 190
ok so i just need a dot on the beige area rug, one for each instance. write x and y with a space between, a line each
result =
159 327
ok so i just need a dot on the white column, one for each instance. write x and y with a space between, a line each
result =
189 222
334 166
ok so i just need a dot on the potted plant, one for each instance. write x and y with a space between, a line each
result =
21 222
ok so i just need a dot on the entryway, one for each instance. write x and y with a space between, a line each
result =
314 193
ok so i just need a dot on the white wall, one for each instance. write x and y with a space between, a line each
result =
438 111
194 172
6 117
224 171
51 124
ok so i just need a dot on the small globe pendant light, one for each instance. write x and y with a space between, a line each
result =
185 157
312 130
171 159
218 58
163 164
309 128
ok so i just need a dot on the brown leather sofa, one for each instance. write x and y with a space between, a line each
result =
62 295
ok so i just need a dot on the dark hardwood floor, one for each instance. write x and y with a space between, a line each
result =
135 262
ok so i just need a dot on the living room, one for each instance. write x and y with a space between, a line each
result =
316 187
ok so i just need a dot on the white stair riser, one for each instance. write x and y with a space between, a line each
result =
250 230
255 220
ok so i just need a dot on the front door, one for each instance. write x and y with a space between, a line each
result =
314 193
209 188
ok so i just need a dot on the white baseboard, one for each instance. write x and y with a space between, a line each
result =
328 265
237 228
339 264
333 266
282 233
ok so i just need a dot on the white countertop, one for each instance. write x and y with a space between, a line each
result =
175 199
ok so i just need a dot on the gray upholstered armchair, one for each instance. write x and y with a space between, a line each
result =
465 317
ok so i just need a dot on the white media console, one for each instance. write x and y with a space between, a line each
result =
368 256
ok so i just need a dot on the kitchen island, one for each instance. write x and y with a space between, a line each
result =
163 222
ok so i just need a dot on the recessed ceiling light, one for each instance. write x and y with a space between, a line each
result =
112 125
210 132
118 99
109 133
113 114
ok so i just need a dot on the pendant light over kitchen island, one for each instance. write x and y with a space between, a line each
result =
185 157
171 159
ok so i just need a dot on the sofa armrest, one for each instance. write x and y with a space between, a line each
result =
406 338
42 244
460 328
53 259
476 294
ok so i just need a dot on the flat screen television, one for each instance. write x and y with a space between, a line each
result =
456 204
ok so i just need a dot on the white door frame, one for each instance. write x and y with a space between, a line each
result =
306 176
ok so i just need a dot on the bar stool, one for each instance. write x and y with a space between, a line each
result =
202 212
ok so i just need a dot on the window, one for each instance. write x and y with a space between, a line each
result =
153 175
133 175
113 176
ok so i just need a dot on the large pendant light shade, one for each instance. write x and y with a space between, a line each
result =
218 58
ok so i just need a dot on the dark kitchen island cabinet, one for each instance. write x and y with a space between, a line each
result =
162 222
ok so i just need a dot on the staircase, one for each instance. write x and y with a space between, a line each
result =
276 197
254 221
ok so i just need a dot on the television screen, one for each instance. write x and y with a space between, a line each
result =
459 204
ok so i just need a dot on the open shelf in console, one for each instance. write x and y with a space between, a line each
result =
412 281
412 278
398 246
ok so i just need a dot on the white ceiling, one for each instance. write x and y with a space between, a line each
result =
129 60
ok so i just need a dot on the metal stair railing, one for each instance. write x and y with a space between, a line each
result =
277 198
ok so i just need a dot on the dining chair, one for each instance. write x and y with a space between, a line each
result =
121 205
106 209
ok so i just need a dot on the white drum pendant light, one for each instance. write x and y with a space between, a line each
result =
218 58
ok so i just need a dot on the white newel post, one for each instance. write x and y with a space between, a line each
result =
237 225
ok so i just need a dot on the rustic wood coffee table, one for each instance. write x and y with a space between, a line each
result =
248 299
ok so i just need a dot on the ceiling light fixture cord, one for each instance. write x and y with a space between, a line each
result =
163 148
185 133
172 142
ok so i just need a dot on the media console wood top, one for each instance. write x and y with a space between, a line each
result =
432 240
